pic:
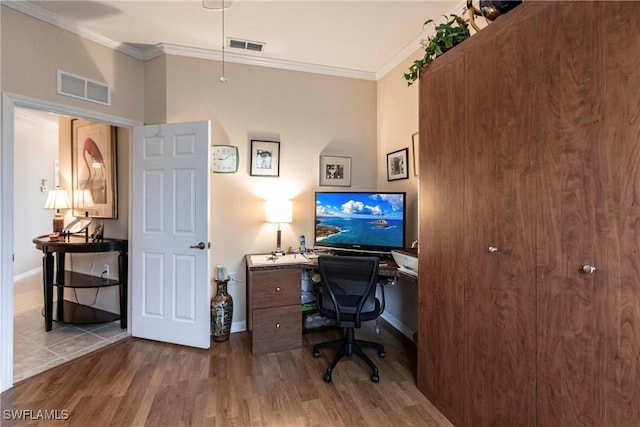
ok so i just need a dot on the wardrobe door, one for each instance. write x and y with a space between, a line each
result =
589 320
500 202
440 293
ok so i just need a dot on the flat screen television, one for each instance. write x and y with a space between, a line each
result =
368 222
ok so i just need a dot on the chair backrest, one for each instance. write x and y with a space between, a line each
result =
348 285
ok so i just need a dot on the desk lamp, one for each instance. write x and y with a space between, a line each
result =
278 212
57 199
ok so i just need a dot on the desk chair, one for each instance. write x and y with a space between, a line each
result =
348 294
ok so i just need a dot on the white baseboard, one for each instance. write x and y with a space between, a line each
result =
404 330
37 270
238 326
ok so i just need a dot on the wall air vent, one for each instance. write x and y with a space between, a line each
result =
83 88
245 45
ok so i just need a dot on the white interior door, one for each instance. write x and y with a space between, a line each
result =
170 291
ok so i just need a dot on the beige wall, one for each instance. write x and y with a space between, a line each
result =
397 120
310 114
35 50
155 90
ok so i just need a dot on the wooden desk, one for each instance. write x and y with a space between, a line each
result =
68 311
274 306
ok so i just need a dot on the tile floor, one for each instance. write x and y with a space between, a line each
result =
35 350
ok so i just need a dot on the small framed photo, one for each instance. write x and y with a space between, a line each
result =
415 144
265 158
335 171
397 166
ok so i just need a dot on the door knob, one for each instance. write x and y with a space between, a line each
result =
200 245
589 269
492 249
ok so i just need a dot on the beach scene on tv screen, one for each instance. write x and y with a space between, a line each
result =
372 219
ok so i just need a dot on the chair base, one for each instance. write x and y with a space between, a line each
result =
347 347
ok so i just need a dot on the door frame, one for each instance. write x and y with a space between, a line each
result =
9 103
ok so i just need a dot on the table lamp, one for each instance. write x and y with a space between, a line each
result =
82 200
278 212
57 199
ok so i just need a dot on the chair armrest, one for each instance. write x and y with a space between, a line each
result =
382 285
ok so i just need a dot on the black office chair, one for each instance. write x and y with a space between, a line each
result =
348 294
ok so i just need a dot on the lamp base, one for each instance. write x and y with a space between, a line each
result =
58 223
278 251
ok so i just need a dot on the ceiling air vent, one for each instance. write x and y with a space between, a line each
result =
246 45
82 88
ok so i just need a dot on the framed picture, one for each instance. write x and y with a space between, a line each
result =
265 158
415 145
397 166
335 171
93 169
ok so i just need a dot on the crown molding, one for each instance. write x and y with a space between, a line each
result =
216 55
44 15
459 9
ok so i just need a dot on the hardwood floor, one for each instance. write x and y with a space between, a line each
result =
140 382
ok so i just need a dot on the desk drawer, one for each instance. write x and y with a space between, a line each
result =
277 329
274 288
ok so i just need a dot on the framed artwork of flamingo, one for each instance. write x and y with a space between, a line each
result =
93 169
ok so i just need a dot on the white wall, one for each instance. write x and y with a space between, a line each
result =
35 150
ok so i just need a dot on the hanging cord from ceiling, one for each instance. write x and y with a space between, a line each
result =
223 77
219 5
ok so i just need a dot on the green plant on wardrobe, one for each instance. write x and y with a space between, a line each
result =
448 34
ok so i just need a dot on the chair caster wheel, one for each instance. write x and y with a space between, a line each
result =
327 377
316 353
375 378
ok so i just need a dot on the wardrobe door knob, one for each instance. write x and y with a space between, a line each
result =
589 269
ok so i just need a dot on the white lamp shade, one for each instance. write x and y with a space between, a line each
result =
57 199
279 211
82 199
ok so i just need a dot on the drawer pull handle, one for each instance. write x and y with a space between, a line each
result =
278 325
278 289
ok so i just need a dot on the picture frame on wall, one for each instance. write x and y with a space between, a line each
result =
397 165
265 158
335 171
415 145
94 180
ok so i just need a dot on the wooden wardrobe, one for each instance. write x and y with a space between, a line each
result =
529 179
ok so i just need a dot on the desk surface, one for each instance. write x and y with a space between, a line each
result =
387 267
